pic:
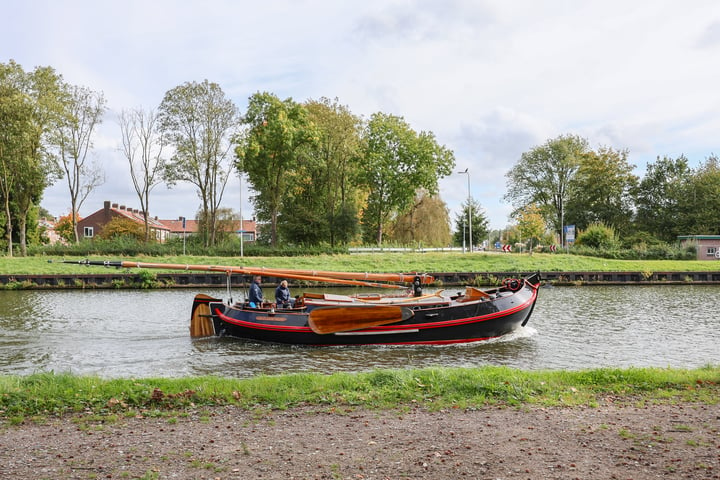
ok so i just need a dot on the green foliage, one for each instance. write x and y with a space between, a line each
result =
598 236
397 162
544 177
425 223
30 109
323 202
270 152
470 211
531 225
659 198
639 252
147 279
601 191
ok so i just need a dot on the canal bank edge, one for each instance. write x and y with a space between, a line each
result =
146 279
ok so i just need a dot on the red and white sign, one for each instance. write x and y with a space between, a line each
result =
507 248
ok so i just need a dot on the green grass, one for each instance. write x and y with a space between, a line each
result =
385 262
48 394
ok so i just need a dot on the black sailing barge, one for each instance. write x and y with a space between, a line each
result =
326 319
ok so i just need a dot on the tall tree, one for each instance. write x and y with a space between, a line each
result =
397 162
659 198
329 176
480 223
142 145
700 202
41 169
82 114
279 133
601 191
425 223
15 115
35 98
199 121
544 177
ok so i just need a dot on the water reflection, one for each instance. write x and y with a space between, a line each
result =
145 333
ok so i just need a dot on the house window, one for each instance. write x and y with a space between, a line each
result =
711 251
89 232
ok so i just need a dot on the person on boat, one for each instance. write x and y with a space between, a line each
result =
255 297
282 296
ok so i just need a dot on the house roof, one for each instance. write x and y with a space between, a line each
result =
138 217
699 237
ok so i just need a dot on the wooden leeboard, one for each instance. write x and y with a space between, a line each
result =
324 320
201 324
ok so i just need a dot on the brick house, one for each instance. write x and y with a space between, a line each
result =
708 246
93 224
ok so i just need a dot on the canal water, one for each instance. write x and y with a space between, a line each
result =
131 333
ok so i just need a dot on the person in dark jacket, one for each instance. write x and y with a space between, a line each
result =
255 296
282 296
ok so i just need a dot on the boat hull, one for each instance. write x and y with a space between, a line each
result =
441 321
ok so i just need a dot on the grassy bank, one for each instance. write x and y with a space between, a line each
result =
46 394
385 262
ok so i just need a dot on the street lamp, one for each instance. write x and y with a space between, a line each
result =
469 211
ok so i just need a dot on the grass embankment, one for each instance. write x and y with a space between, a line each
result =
384 262
46 394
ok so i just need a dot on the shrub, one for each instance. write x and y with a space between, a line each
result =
598 235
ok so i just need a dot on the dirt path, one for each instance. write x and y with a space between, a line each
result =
609 442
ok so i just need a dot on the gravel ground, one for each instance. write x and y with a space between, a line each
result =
607 442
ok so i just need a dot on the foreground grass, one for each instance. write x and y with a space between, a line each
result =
383 262
47 394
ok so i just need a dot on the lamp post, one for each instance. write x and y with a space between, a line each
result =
466 172
242 227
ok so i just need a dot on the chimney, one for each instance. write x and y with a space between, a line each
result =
106 210
115 206
122 207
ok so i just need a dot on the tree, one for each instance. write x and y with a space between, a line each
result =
531 225
601 191
325 189
396 163
65 226
14 118
480 224
700 203
426 223
82 113
544 177
279 132
142 145
199 121
30 109
659 198
226 224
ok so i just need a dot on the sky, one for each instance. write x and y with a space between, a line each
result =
490 78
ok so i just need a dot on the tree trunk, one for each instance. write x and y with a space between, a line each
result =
8 227
23 234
